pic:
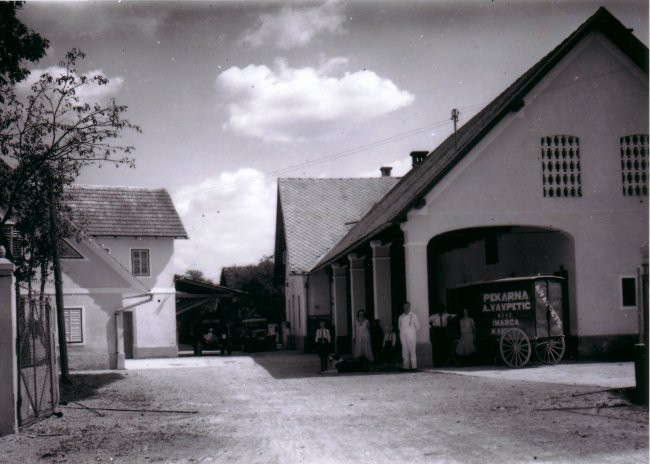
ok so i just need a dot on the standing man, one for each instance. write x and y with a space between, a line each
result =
439 336
408 326
323 340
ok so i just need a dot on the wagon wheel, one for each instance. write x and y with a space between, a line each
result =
550 350
515 348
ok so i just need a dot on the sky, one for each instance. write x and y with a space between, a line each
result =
231 95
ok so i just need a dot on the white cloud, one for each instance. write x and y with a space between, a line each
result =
285 104
295 27
88 93
230 219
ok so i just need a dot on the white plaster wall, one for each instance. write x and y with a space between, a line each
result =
295 298
92 284
155 326
599 95
161 251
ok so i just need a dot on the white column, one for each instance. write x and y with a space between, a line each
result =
8 366
119 335
381 282
340 293
357 283
417 293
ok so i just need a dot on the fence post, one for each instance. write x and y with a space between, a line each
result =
8 360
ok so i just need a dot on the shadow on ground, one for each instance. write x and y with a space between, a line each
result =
293 365
83 386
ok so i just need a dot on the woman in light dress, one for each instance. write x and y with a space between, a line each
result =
362 345
466 344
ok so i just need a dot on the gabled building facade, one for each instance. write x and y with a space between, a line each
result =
118 281
549 178
312 216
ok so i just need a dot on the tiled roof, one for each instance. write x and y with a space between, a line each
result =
124 211
420 180
317 213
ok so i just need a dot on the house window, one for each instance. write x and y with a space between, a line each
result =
14 240
561 166
73 325
628 292
140 262
634 163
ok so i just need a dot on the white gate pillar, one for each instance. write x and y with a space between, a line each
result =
381 282
8 360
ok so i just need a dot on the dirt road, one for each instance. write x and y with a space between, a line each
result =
273 408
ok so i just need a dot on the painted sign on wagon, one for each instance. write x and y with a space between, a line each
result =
504 309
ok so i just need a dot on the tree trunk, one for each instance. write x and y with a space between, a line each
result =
58 289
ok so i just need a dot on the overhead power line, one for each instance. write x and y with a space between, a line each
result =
326 158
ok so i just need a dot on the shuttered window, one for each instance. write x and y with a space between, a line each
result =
73 325
14 239
140 262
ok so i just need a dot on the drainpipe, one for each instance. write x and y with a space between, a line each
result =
119 327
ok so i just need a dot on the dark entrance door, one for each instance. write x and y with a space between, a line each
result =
128 335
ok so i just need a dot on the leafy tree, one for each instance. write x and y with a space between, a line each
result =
197 275
18 44
263 297
48 137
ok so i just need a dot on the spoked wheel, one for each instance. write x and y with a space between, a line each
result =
550 350
515 348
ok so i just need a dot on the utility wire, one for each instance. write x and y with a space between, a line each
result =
327 158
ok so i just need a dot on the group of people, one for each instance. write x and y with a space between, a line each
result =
441 340
364 350
366 336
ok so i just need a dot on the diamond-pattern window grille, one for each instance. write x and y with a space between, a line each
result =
561 166
634 165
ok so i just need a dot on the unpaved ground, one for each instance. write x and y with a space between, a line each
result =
271 408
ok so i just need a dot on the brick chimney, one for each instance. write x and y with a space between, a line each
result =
385 171
418 157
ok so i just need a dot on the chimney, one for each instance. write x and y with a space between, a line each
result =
418 157
385 171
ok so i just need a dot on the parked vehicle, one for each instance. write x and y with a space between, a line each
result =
516 316
255 335
212 335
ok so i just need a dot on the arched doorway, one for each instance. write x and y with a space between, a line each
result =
481 254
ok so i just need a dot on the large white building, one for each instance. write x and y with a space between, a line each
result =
549 178
118 282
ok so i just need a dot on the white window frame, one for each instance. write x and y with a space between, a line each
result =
636 291
82 313
141 274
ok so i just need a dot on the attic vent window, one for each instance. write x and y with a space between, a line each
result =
634 163
561 166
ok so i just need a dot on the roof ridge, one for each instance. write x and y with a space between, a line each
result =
113 187
445 156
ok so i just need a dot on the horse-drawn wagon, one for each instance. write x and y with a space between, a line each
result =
515 316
